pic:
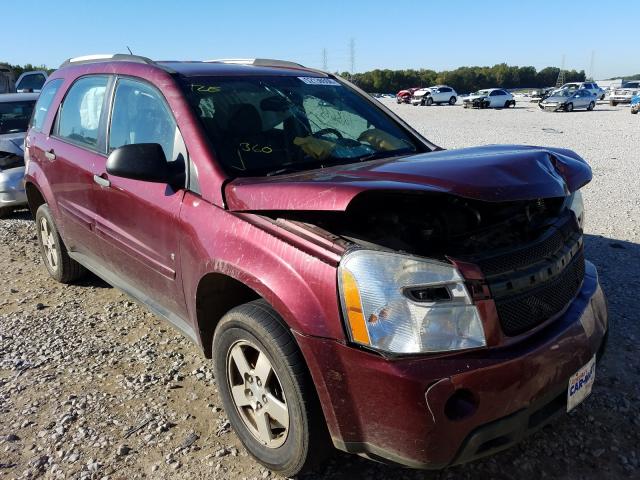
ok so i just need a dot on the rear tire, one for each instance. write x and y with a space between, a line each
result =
53 251
248 341
453 100
568 107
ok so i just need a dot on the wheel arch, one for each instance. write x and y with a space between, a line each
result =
35 198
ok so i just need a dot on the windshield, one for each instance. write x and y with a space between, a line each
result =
631 85
14 116
562 92
266 125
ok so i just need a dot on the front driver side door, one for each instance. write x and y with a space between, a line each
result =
139 221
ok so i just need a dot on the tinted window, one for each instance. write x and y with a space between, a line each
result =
140 115
14 116
31 82
44 103
79 117
445 89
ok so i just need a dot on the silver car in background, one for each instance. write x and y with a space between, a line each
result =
568 99
15 113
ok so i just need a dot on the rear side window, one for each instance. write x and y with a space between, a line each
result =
44 103
79 117
33 81
140 115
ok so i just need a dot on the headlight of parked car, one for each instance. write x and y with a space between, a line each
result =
402 304
577 207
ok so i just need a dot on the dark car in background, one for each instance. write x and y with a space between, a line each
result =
15 112
356 285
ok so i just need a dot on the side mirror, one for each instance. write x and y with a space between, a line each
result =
146 162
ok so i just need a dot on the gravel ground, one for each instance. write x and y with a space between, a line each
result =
94 386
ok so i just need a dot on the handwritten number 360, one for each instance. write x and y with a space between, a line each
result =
247 147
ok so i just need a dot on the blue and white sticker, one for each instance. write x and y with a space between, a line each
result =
581 383
319 81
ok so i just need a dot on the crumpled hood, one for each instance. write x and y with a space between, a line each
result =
492 173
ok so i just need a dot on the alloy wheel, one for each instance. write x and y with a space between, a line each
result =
49 246
257 394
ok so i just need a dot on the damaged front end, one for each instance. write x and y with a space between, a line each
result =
498 242
523 260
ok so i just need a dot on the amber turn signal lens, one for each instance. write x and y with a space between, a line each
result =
353 306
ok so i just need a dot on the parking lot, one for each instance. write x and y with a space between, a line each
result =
94 386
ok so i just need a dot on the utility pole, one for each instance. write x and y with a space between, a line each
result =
593 61
324 59
352 55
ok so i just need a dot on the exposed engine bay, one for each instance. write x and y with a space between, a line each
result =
436 225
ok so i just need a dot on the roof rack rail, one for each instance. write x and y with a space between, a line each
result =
259 62
107 57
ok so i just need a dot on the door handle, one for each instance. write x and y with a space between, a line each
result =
50 155
103 182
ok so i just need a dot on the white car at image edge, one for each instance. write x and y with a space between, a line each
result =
437 94
489 98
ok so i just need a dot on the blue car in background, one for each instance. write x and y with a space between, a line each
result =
635 104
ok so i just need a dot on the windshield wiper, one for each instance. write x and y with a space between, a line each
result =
385 154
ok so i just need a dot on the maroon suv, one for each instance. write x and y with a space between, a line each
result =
355 284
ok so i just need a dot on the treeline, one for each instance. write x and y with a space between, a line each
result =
463 79
19 69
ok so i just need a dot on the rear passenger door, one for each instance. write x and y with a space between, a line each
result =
139 221
70 155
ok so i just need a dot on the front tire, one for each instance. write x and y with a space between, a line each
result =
429 101
568 107
53 250
267 391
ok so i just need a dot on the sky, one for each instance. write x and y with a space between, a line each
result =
403 34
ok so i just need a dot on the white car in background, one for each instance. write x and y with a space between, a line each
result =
625 93
437 94
591 86
489 98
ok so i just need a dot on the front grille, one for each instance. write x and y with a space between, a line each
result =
549 245
536 281
526 310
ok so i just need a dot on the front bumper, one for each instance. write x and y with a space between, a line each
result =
551 107
12 193
441 410
620 99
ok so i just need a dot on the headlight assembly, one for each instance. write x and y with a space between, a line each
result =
402 304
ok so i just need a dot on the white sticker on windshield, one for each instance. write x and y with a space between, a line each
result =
319 81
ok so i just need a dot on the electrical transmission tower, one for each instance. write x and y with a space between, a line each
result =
324 60
591 65
560 80
352 55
